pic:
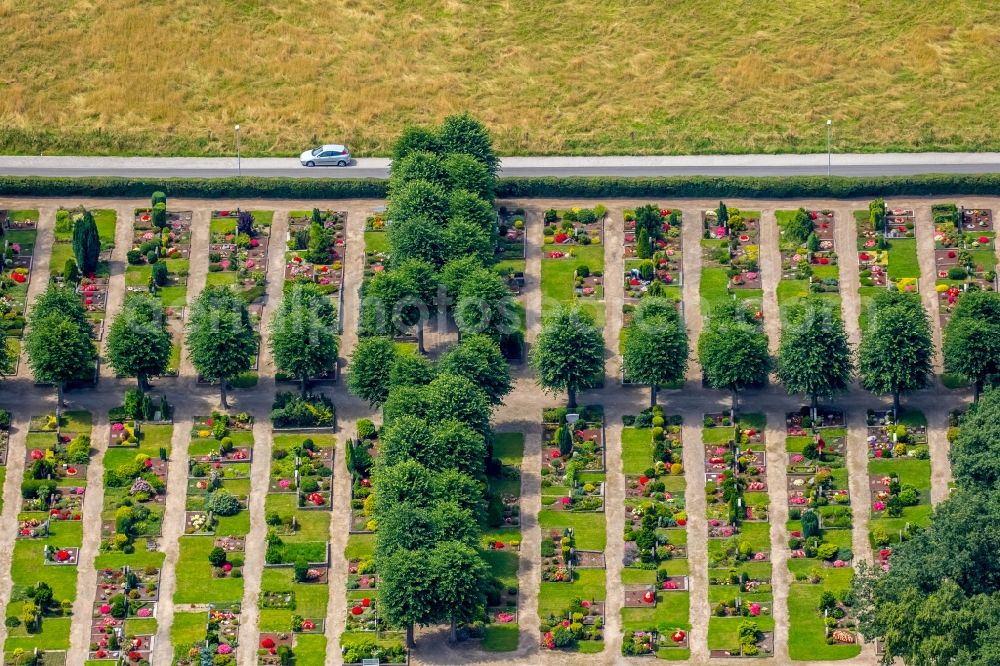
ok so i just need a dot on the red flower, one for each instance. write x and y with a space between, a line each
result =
952 254
18 277
357 610
366 602
643 480
560 238
984 240
267 643
823 261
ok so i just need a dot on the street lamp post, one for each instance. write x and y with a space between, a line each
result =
239 168
829 149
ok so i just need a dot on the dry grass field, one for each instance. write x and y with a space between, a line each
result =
548 76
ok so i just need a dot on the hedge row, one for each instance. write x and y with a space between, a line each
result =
598 187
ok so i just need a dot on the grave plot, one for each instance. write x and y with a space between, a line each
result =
809 262
46 552
501 543
294 587
162 238
887 257
512 239
653 268
376 242
511 265
730 254
19 231
93 286
217 624
655 617
317 246
573 259
365 634
819 529
739 545
237 252
136 464
964 258
573 530
122 623
216 518
573 463
899 475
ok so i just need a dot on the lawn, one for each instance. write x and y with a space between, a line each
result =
637 450
508 447
558 277
903 258
801 52
588 528
806 638
376 241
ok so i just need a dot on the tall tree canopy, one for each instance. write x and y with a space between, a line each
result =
896 350
972 338
656 350
569 353
814 357
733 355
303 334
220 336
139 344
368 375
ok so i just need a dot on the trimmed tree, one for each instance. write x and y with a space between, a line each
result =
138 341
416 165
478 358
418 198
733 355
462 133
896 350
59 351
569 353
656 351
420 238
414 139
814 357
465 172
406 594
485 305
220 337
86 243
303 338
460 576
369 372
972 339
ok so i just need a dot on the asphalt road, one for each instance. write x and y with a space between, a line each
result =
885 164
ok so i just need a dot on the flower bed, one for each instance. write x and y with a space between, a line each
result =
20 234
574 226
583 621
317 246
512 239
899 473
237 251
739 545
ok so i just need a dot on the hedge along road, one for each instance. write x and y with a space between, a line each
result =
875 164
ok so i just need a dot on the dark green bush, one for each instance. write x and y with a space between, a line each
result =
577 187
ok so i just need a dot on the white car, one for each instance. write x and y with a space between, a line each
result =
331 154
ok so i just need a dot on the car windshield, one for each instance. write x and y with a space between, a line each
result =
317 151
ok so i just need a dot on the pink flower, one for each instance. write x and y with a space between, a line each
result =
225 266
879 506
284 483
755 609
225 648
144 612
249 263
104 609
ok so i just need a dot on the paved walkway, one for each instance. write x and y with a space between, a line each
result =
521 413
840 164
